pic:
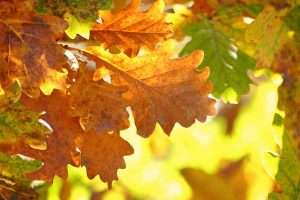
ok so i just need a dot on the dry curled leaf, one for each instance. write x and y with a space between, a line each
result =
161 89
130 28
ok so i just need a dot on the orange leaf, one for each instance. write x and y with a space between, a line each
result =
103 154
99 105
161 89
131 28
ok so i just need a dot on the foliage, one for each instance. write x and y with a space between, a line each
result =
74 72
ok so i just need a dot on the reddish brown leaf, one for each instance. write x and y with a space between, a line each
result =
101 153
61 148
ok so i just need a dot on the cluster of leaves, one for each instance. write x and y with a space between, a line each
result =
70 76
57 106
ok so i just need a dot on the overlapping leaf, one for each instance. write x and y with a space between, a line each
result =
269 33
29 51
130 28
69 144
228 64
99 105
161 90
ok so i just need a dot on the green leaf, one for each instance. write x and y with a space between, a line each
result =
82 9
17 123
77 27
228 64
16 167
268 33
288 176
292 19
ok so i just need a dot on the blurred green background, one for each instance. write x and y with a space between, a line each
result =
230 157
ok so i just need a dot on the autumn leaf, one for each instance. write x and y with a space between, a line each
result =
104 108
161 90
228 64
110 150
60 143
69 144
29 52
268 32
130 29
230 183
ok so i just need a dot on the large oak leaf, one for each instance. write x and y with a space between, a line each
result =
161 89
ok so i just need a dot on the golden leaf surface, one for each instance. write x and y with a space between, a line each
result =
161 89
130 29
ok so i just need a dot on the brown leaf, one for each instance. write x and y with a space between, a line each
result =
161 89
29 52
230 183
103 154
99 105
131 28
61 148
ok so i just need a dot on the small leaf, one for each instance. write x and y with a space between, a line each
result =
77 27
16 167
103 154
268 33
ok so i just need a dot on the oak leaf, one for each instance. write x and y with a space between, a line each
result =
101 153
228 64
161 90
130 29
99 104
29 52
269 33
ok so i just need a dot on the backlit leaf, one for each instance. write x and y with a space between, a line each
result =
130 29
161 90
228 64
